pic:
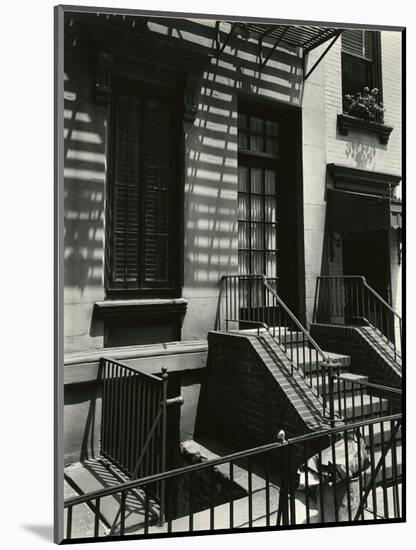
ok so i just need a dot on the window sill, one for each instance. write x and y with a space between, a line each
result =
140 309
348 122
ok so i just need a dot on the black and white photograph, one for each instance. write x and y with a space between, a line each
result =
229 219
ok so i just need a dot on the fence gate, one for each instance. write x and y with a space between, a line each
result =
133 425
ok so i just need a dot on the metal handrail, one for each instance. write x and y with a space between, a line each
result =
367 301
386 389
232 457
297 323
371 289
284 306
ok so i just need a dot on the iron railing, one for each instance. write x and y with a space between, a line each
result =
350 300
353 400
134 421
248 301
350 473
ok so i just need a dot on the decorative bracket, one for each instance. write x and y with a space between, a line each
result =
103 78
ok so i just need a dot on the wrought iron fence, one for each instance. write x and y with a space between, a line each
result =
349 473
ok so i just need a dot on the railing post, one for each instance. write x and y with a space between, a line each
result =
164 431
331 395
317 287
283 507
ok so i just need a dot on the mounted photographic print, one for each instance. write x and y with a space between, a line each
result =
228 267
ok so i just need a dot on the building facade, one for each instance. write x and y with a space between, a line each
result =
196 149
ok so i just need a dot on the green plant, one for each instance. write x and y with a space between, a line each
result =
364 105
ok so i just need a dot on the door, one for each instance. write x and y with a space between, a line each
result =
268 200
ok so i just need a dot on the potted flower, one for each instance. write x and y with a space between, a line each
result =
364 105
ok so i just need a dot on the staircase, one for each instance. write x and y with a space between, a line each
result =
339 402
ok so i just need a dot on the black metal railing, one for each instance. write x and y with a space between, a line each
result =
340 474
134 422
133 425
350 300
353 400
249 302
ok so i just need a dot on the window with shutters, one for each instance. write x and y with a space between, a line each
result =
361 61
142 234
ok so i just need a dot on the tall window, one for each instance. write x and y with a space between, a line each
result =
361 61
141 243
258 146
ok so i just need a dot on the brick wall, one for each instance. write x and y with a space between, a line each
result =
248 405
365 359
360 149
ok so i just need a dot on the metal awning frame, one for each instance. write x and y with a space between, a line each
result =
220 47
307 50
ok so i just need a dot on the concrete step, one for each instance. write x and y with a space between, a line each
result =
222 518
92 475
378 428
390 471
387 503
283 336
209 449
355 408
339 385
83 519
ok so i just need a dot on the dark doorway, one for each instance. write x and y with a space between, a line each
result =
367 254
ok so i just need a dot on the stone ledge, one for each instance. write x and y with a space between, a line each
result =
137 309
348 122
176 356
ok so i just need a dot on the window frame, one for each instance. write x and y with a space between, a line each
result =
133 87
374 66
250 159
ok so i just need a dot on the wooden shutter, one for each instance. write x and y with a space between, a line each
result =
125 196
141 183
358 42
157 174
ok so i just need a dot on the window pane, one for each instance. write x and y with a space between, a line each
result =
257 180
242 140
243 201
271 264
243 262
256 134
257 235
243 235
272 128
243 184
271 241
355 75
270 208
272 146
270 182
257 262
256 208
